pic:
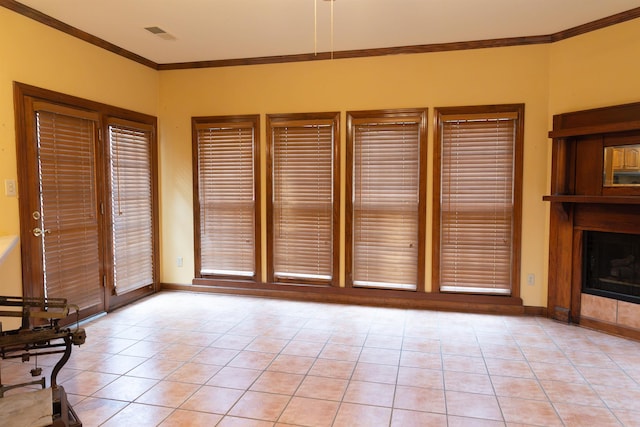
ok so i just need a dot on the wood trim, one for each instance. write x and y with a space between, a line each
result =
106 113
23 105
273 121
149 124
518 186
75 32
598 24
131 124
436 171
606 119
67 111
535 311
117 301
440 114
412 115
571 213
575 291
610 200
595 129
358 53
195 189
609 328
359 296
249 121
423 48
81 103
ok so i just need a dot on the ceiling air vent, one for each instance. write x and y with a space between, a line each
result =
160 33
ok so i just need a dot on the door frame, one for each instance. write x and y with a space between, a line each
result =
24 150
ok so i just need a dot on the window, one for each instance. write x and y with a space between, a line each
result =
132 154
303 205
226 169
477 199
386 198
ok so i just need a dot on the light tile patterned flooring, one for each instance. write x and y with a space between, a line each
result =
184 359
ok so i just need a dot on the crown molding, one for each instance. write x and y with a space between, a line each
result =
359 53
74 32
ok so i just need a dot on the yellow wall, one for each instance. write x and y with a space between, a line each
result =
64 64
10 277
596 69
488 76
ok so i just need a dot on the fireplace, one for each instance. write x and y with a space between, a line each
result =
611 265
594 239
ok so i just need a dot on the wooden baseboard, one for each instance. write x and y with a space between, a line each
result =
369 297
535 311
610 328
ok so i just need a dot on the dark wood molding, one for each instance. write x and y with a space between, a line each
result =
357 53
423 48
360 296
116 301
272 121
361 53
81 103
74 32
610 328
598 24
535 311
213 120
595 121
595 129
610 200
439 113
22 94
419 116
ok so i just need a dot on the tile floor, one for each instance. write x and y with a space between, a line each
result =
183 359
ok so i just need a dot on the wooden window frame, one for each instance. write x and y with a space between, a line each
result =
277 120
488 110
254 121
419 116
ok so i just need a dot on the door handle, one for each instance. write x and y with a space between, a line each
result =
38 232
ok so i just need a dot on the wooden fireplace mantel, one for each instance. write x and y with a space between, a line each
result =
608 200
595 129
579 200
568 200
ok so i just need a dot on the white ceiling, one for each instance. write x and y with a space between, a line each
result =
209 30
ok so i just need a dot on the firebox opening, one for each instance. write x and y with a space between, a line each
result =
611 265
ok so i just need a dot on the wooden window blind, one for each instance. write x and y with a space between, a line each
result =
478 204
67 179
226 168
386 200
303 199
132 222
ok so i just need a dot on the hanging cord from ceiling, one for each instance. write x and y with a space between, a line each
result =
315 26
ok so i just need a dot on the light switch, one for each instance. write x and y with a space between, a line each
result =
10 188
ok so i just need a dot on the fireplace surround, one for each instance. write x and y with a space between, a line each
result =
587 214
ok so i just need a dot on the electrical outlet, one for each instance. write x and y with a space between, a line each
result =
10 188
179 261
531 279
